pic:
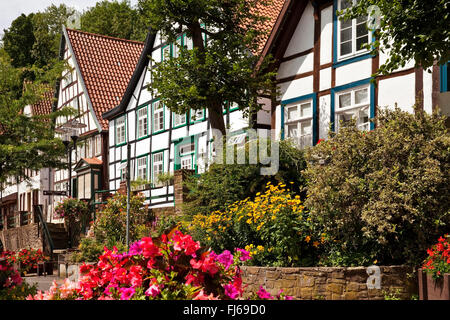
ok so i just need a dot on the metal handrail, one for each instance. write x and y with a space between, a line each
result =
38 211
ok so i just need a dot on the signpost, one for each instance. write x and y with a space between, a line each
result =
54 193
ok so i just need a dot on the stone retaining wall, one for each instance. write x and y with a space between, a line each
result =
22 237
331 283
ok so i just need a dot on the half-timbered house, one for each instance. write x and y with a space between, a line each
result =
324 74
100 68
162 141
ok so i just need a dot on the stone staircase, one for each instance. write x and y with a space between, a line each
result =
59 235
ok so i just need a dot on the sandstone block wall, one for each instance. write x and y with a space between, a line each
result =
331 283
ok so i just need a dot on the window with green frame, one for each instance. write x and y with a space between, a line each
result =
142 122
157 167
141 167
197 115
120 130
158 116
178 119
166 52
185 154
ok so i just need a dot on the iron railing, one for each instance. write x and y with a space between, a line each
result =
41 221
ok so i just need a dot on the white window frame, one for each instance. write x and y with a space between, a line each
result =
158 114
120 130
354 108
98 145
187 152
141 166
355 51
199 115
157 164
142 121
176 119
302 121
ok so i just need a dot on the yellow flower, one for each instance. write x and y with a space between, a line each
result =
260 248
308 239
315 243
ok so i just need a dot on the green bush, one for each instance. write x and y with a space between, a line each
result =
382 195
223 184
110 227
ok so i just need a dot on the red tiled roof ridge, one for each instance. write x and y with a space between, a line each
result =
104 36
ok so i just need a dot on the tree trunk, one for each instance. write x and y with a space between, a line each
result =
215 114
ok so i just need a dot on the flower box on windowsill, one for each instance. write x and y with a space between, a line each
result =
142 187
431 289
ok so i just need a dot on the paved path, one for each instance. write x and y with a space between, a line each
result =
43 282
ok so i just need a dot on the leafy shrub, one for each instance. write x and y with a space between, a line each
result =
223 184
167 268
382 195
110 227
273 227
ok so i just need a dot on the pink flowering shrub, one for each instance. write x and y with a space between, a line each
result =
170 267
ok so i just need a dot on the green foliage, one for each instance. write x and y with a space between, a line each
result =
222 70
27 142
409 30
382 195
34 39
273 227
18 41
110 225
114 19
224 184
19 292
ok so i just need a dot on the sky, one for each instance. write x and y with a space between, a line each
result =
11 9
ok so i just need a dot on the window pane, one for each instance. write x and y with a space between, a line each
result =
345 100
305 110
361 96
292 113
346 4
360 42
87 186
306 128
363 119
292 130
346 24
346 35
346 48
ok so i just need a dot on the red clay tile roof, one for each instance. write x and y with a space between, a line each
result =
93 160
106 65
271 11
44 106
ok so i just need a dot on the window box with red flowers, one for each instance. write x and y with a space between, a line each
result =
434 276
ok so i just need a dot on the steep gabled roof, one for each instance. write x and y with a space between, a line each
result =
106 65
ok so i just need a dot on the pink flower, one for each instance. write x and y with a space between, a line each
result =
153 291
126 293
225 258
263 294
202 296
231 291
245 255
149 250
